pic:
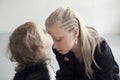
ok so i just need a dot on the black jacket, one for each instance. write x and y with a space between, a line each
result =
36 71
71 69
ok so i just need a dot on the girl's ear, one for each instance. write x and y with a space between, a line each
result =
75 32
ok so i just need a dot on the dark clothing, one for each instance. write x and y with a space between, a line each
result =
72 69
35 71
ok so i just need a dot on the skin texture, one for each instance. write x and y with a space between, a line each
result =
64 41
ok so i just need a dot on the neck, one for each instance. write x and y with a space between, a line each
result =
77 51
76 48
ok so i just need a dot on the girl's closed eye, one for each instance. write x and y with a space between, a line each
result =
59 39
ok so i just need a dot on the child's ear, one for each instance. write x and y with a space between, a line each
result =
76 32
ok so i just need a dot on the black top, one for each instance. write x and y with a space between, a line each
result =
34 71
71 69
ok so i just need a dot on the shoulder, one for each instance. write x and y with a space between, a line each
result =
102 49
34 71
103 56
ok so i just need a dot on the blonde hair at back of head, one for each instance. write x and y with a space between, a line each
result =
25 45
87 39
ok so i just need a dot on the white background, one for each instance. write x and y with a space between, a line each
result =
102 14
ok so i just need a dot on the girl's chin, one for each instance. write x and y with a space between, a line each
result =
63 52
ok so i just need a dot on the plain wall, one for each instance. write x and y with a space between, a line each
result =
101 14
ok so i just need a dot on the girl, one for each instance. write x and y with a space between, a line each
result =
81 53
28 46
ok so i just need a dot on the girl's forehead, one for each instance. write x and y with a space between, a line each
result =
55 27
55 30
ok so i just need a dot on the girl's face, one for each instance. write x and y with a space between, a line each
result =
63 40
46 38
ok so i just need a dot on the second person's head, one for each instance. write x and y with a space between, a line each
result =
64 27
28 43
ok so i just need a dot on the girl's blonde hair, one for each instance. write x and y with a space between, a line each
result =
25 46
87 39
